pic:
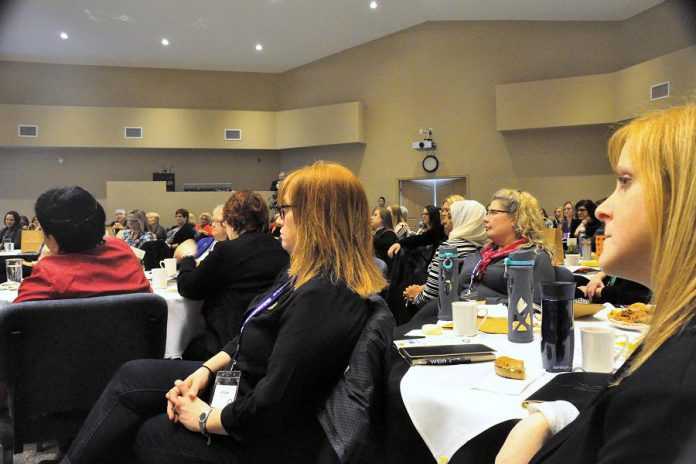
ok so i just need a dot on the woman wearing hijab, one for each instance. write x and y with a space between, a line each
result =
467 235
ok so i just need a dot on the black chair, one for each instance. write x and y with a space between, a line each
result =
57 356
353 416
155 251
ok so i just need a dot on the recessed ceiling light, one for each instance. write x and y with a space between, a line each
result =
259 47
373 4
165 42
64 35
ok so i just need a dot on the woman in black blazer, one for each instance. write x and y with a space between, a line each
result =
647 413
183 230
12 230
232 274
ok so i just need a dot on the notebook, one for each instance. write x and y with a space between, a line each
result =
447 354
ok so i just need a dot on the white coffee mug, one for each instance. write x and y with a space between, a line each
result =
464 316
572 260
159 278
599 353
170 265
9 246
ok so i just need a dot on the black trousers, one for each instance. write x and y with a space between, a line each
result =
130 419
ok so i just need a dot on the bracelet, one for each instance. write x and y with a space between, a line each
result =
209 370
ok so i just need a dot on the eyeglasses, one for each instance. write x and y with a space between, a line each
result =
582 209
282 210
493 212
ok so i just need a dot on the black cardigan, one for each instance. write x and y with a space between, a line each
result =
650 417
228 279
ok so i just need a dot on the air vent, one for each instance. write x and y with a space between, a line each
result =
233 134
134 132
28 131
659 91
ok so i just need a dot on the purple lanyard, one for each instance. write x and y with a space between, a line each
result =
265 304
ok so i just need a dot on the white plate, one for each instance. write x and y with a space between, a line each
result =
629 326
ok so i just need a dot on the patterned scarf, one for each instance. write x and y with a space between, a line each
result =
488 254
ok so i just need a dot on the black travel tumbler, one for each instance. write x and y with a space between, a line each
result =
557 334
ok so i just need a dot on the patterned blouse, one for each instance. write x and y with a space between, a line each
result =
137 242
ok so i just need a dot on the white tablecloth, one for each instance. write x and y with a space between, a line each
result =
184 321
448 406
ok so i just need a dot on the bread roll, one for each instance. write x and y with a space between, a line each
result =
510 368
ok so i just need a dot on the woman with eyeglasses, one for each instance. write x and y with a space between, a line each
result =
232 274
589 224
181 231
513 222
647 411
295 346
136 235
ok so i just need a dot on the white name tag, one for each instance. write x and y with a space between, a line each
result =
225 389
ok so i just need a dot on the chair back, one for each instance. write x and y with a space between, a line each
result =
31 240
353 415
57 356
155 251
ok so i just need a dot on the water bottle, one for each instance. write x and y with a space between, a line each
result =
557 334
586 249
519 266
448 276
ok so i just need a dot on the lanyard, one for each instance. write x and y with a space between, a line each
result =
268 301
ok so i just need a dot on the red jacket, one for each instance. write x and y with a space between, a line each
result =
109 269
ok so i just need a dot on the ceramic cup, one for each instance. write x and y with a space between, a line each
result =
170 265
572 260
159 278
464 315
599 352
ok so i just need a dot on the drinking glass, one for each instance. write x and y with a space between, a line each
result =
14 270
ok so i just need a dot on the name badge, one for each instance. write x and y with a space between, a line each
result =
225 388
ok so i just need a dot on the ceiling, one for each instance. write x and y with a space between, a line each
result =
222 34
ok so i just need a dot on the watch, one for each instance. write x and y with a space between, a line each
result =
430 163
202 420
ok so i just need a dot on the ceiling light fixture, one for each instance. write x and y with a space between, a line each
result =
165 42
259 47
64 35
373 4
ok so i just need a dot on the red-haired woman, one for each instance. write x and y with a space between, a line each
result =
294 347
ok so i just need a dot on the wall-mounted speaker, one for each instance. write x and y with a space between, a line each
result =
167 177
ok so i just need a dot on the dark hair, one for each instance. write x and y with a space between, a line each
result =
589 206
15 215
246 211
24 221
434 214
73 217
184 212
386 217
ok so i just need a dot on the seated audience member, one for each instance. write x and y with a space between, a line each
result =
434 233
558 216
155 227
569 223
181 231
602 288
297 341
119 221
385 237
12 232
24 222
218 234
647 412
82 262
381 202
203 227
588 222
512 222
34 225
401 228
549 223
466 233
136 234
233 273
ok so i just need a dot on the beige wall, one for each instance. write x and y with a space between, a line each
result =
441 75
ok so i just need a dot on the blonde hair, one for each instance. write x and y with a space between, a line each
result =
528 219
453 198
662 148
334 236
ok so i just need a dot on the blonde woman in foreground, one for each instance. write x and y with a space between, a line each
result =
648 412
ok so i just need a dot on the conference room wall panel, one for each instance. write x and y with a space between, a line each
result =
25 173
443 75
